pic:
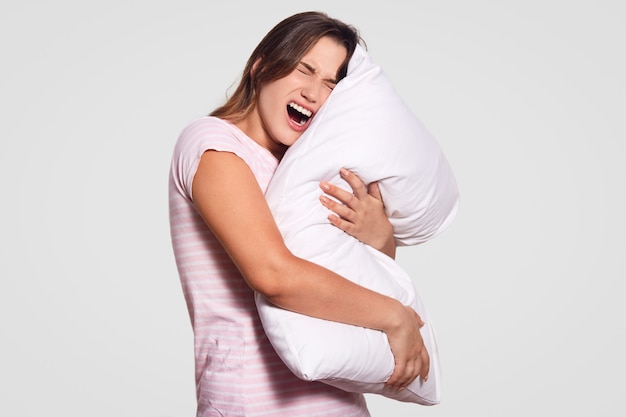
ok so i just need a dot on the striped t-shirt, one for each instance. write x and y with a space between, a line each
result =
238 372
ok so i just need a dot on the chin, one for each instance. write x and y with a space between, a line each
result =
289 140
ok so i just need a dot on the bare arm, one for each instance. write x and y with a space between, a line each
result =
233 206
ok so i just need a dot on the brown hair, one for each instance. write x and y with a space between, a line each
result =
280 51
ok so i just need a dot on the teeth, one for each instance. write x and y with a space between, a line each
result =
300 109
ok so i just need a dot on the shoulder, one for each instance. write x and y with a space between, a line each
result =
197 137
206 133
203 128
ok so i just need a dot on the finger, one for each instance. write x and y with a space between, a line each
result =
374 191
425 366
409 375
399 374
340 194
342 224
402 376
339 209
393 380
358 186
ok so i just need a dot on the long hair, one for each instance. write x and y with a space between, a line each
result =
278 54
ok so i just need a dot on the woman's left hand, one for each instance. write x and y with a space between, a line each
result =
362 213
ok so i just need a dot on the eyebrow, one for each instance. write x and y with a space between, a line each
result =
314 71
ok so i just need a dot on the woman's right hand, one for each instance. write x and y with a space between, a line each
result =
410 355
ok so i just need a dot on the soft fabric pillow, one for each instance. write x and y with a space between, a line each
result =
366 127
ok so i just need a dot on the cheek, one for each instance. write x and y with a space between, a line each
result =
325 93
268 108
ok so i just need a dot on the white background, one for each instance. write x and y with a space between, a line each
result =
526 98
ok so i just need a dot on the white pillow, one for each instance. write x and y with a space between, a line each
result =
366 127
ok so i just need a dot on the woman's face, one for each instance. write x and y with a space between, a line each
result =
286 106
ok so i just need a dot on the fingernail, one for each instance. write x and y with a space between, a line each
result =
344 172
325 186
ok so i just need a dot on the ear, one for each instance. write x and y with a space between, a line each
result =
255 66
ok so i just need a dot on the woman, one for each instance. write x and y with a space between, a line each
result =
227 244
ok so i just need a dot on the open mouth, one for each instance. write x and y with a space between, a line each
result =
298 114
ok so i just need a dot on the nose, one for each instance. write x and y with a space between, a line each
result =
312 91
309 95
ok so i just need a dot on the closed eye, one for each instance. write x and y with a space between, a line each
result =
305 70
